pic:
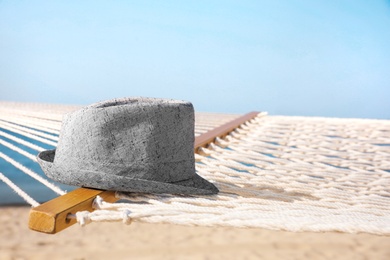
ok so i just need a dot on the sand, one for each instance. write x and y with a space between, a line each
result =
164 241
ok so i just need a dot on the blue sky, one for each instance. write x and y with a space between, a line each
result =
311 58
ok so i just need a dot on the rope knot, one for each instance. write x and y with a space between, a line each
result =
98 203
126 216
83 218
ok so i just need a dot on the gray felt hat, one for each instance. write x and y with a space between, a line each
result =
129 144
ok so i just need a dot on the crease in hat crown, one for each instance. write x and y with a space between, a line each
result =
129 144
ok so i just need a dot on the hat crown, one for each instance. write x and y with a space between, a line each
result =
140 138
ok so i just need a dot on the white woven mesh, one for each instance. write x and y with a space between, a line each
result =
287 173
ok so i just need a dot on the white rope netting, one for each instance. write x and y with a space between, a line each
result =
282 173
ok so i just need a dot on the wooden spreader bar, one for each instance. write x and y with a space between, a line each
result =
51 217
221 131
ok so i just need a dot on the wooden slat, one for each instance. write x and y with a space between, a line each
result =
222 131
51 217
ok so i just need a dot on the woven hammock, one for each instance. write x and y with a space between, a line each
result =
275 172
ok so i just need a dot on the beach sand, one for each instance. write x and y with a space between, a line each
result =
165 241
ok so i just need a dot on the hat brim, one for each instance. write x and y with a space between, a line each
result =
196 185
